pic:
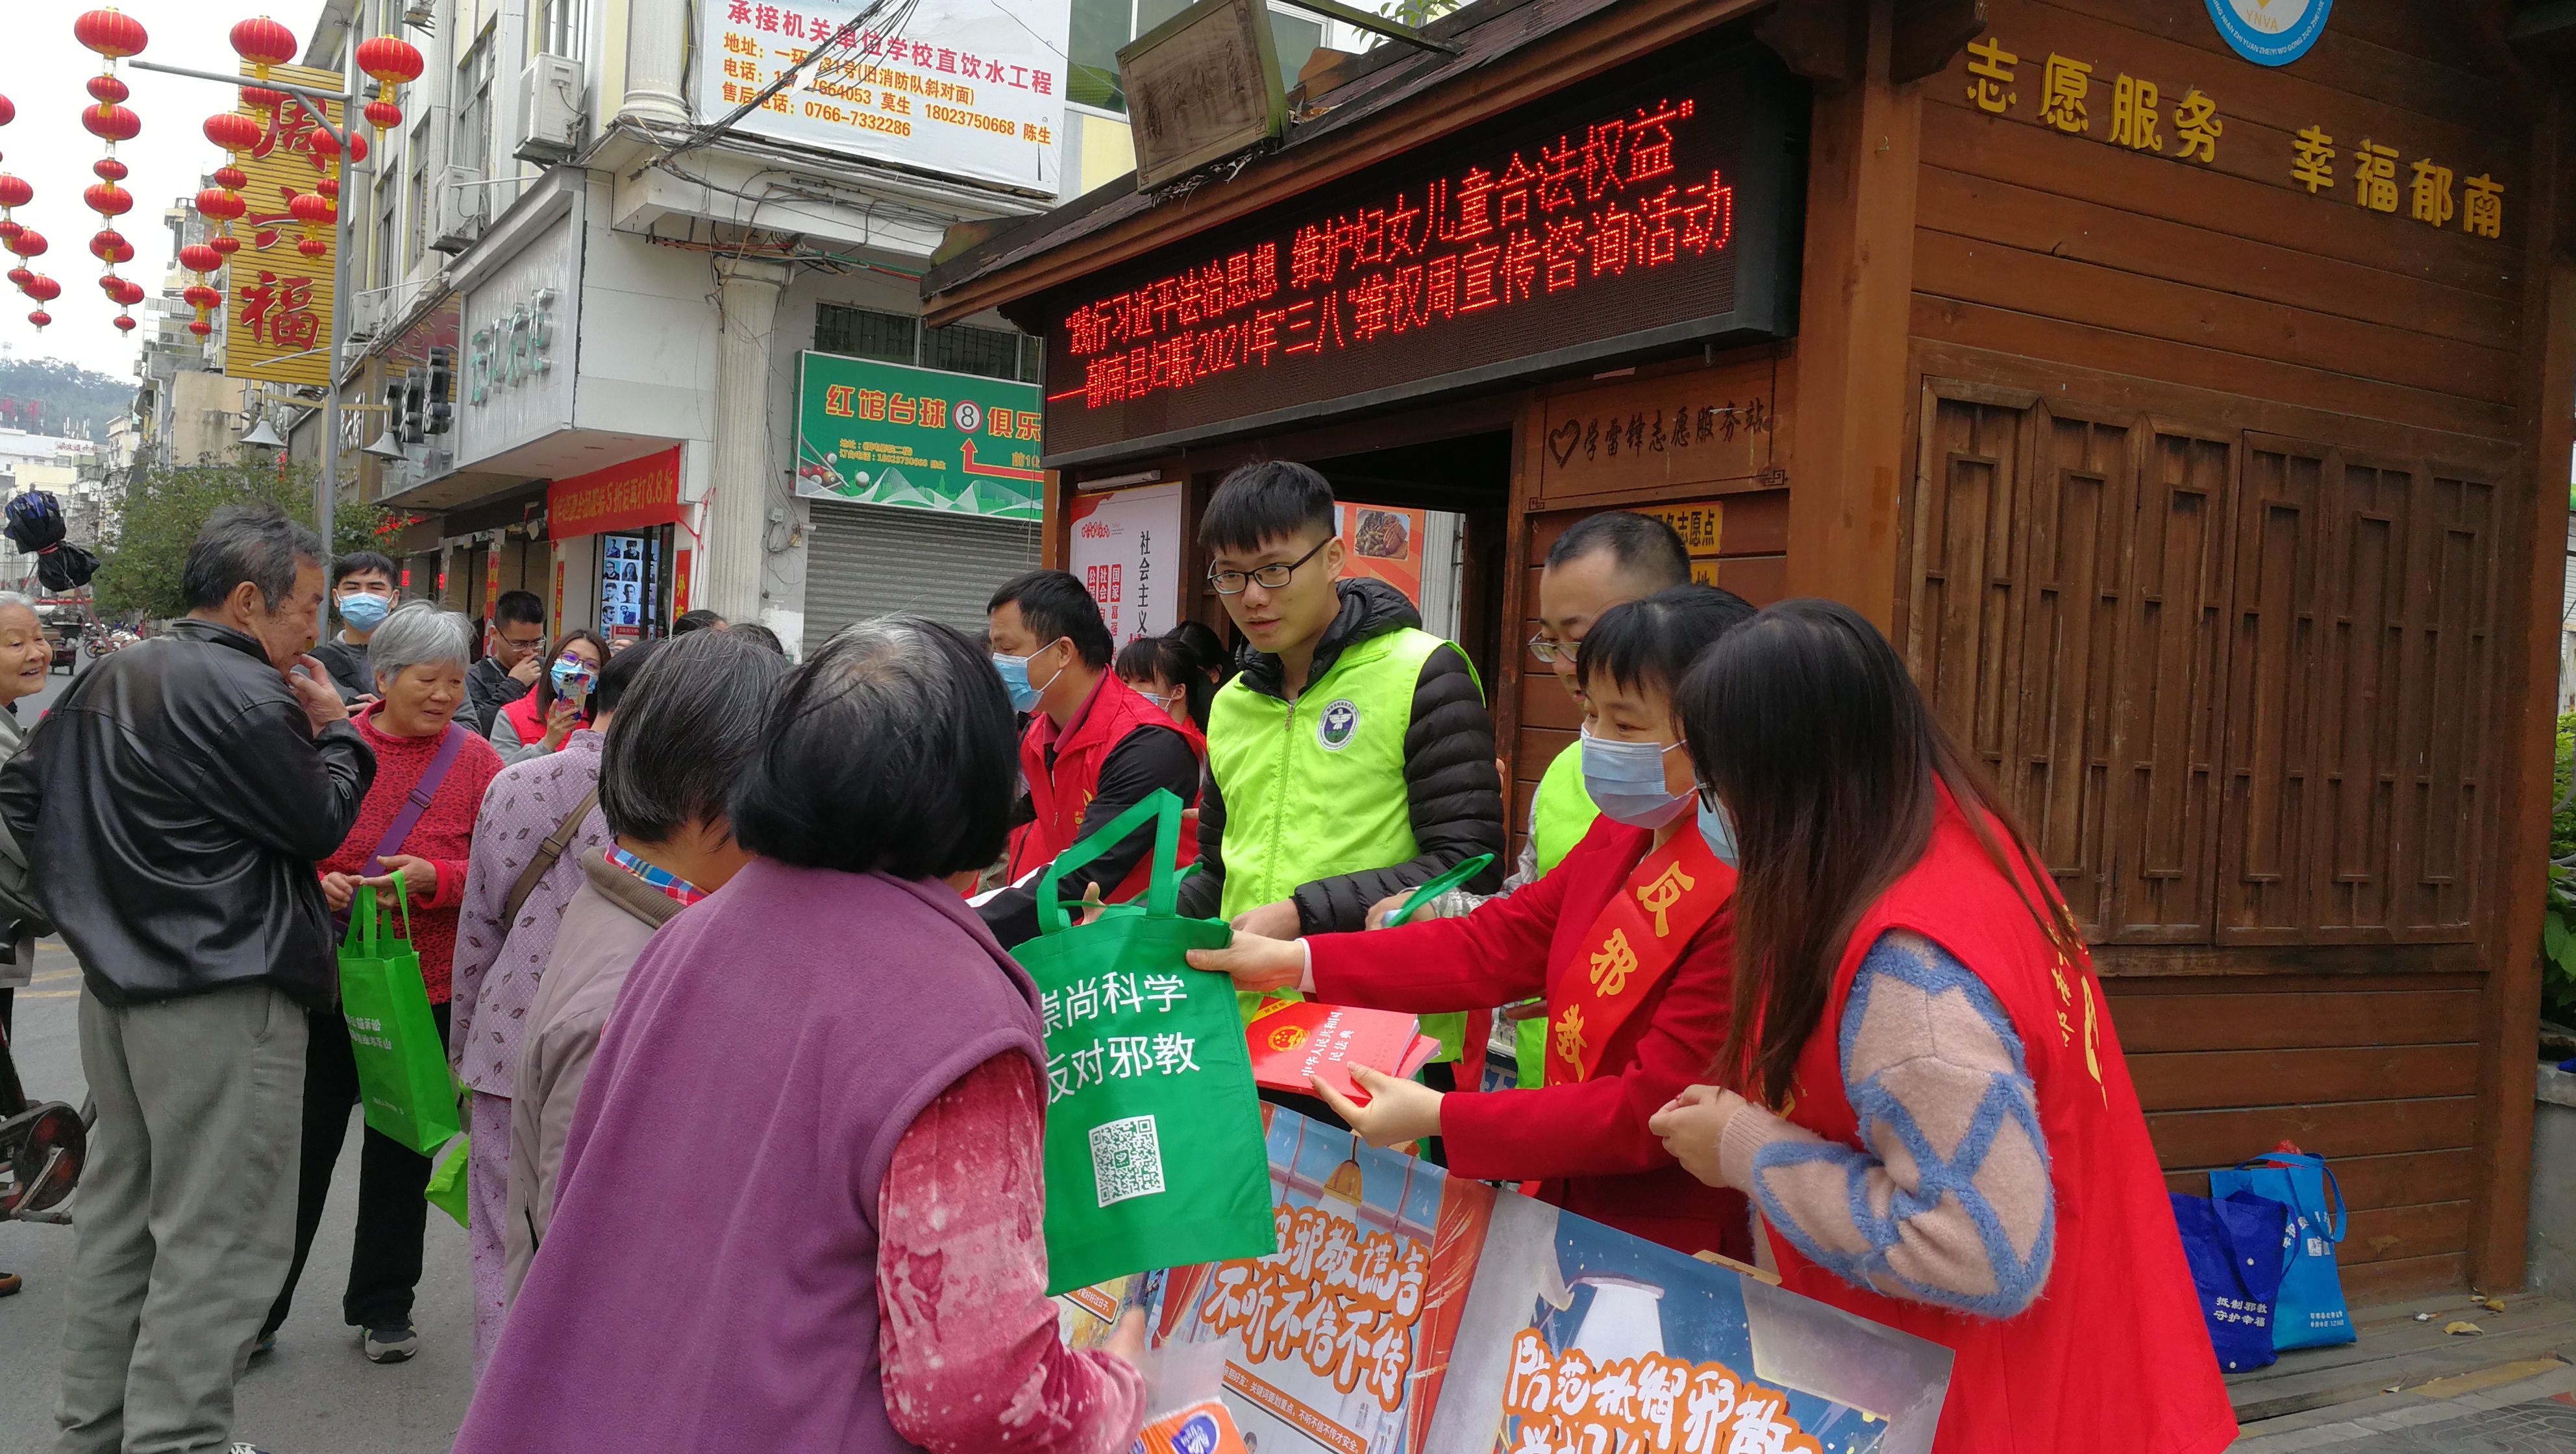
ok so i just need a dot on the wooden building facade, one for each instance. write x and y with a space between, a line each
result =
2195 427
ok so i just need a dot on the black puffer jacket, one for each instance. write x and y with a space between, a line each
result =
173 805
1451 794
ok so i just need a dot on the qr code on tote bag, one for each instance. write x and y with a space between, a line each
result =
1126 1159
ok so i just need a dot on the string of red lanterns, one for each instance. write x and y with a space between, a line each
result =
14 191
19 238
113 35
394 62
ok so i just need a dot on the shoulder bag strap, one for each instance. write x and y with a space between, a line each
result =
450 743
548 854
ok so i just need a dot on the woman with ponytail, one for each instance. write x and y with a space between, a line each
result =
1920 1088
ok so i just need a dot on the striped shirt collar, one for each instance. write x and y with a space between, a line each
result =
671 884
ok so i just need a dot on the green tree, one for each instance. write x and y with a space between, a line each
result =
2558 928
161 510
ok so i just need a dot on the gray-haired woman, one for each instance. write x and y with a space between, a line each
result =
26 663
419 658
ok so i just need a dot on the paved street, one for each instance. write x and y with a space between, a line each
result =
316 1393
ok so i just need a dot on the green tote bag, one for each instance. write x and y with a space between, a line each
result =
1154 1154
402 1068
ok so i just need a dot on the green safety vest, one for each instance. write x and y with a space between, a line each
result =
1315 788
1562 812
1560 815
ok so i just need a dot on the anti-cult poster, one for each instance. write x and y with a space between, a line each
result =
1409 1313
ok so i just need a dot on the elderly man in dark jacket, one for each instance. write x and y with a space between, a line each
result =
174 803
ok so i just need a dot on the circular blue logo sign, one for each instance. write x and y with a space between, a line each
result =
1340 720
2270 32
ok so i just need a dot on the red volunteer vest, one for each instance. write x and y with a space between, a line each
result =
1062 793
2112 1358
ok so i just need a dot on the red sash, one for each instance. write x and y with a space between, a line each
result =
1634 942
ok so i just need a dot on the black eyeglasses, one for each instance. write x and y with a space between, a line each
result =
1271 577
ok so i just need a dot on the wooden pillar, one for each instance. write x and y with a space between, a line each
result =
2500 1215
1855 299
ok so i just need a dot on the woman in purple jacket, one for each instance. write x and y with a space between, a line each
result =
798 1209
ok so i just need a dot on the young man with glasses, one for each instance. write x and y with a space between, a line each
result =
1352 758
518 638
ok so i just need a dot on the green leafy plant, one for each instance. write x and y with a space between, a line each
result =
161 509
2558 925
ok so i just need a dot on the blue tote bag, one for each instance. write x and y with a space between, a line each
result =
2310 1311
2238 1247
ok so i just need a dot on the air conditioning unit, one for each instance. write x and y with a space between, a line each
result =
463 204
549 110
367 314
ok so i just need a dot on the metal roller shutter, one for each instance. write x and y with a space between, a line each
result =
869 560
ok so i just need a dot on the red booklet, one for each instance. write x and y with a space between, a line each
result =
1292 1039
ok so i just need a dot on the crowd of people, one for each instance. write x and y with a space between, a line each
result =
721 949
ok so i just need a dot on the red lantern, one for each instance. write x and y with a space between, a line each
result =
28 243
201 328
219 206
8 111
128 292
109 169
14 192
225 245
316 213
390 59
43 289
109 285
263 43
106 89
231 179
111 33
260 98
20 277
9 230
383 115
124 323
110 247
199 296
328 187
40 318
198 257
323 148
115 123
357 146
233 132
108 199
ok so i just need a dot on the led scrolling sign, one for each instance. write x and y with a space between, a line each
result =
1645 216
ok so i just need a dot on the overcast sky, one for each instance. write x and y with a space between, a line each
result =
43 71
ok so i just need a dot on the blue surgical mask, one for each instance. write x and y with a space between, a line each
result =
1626 781
364 610
1718 829
573 677
1015 679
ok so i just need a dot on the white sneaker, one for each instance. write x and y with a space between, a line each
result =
390 1344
